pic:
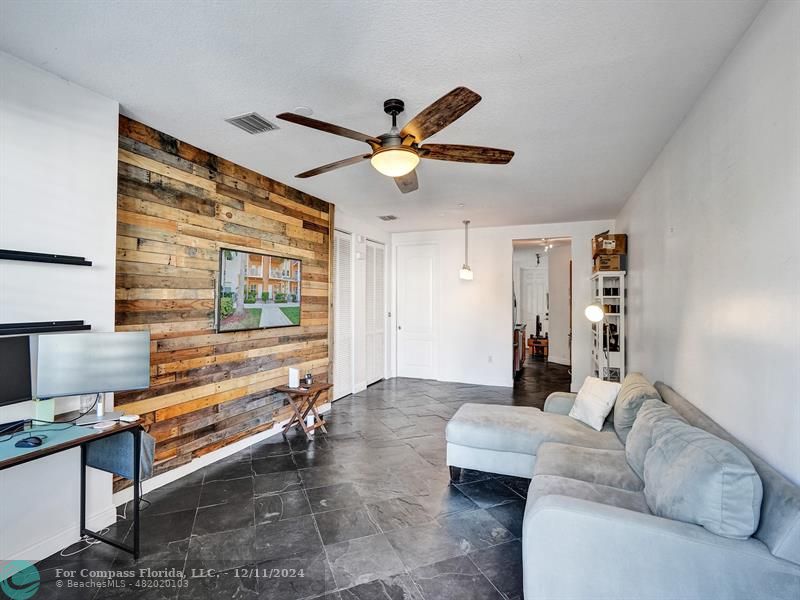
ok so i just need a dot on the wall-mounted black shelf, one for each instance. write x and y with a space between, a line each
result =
42 327
61 259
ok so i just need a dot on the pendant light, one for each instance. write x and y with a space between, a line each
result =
466 273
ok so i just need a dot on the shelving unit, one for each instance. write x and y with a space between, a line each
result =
608 350
41 257
42 327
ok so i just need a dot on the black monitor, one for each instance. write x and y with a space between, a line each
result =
15 369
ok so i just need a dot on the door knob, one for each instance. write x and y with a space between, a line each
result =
399 327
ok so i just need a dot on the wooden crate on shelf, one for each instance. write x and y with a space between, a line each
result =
615 262
609 244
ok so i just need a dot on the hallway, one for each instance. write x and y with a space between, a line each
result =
537 379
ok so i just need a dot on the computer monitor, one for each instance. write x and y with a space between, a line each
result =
15 369
68 364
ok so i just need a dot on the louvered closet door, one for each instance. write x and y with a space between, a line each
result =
343 314
376 312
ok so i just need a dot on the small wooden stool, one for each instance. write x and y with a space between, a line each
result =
303 400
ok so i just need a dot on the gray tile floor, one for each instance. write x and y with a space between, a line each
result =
366 511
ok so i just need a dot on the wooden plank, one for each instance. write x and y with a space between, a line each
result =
249 207
132 218
155 166
170 249
130 280
248 384
177 207
166 158
188 364
158 189
303 209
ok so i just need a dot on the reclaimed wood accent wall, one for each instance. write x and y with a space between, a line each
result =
176 206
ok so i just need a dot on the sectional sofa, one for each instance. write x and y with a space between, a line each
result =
594 526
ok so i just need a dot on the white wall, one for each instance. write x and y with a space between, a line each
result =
558 285
58 186
714 236
475 324
363 231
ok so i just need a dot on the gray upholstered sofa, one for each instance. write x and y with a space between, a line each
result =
588 531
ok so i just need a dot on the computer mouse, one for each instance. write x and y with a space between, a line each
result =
29 442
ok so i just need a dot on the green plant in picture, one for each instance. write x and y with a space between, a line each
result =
250 298
280 297
226 306
293 313
228 255
264 296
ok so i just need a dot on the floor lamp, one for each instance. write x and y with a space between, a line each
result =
596 314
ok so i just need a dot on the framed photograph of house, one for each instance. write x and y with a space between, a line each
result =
257 291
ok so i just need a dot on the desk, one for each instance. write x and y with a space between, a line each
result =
539 346
60 438
302 400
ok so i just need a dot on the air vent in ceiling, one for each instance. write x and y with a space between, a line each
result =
387 218
252 123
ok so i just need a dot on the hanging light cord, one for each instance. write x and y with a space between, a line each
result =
466 243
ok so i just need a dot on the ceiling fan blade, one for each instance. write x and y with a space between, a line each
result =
329 128
467 154
441 113
334 165
407 183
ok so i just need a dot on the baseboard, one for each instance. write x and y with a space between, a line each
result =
156 482
559 360
66 537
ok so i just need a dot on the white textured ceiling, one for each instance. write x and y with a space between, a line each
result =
586 93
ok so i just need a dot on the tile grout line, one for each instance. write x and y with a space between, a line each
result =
194 522
502 595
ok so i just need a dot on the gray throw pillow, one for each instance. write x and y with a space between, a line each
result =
640 438
694 476
635 390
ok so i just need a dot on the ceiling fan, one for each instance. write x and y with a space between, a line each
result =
397 153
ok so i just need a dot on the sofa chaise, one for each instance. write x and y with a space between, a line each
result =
588 530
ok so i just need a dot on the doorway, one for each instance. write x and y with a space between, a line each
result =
542 307
534 298
417 272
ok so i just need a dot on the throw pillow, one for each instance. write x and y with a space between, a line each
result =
692 475
640 438
594 402
635 390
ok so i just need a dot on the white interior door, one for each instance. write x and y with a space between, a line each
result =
376 312
417 267
534 299
343 314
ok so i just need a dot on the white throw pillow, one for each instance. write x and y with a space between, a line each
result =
595 400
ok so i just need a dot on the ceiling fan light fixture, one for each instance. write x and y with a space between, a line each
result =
395 162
